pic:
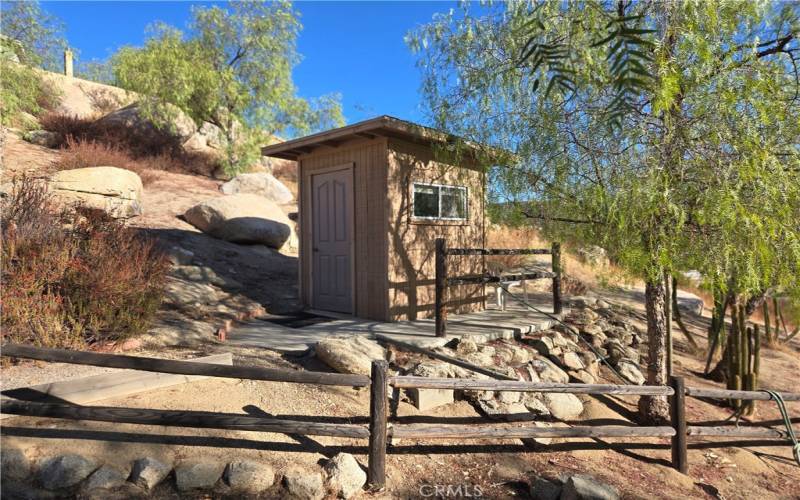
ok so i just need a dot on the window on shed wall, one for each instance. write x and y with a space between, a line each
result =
435 201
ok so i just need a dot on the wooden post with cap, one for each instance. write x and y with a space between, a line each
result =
556 255
440 282
376 468
677 409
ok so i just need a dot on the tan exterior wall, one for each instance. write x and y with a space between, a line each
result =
369 161
411 243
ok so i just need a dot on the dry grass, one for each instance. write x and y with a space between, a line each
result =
73 277
140 149
96 154
578 274
286 172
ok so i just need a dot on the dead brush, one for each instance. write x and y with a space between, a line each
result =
95 154
73 277
512 237
141 149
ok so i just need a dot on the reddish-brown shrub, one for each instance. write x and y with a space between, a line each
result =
157 151
72 277
96 154
285 171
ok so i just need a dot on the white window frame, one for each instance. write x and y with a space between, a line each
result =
464 189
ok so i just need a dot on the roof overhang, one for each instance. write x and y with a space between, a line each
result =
382 126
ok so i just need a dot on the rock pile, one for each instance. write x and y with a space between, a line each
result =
611 335
69 475
593 331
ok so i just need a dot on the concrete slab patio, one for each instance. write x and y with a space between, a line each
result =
492 323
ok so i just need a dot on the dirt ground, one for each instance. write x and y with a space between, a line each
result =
639 468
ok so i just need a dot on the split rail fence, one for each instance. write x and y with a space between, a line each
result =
443 280
378 431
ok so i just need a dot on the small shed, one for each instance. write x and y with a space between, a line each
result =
372 198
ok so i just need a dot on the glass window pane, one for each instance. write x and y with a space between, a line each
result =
454 203
426 201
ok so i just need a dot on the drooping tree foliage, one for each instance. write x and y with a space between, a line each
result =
233 68
666 132
35 36
30 39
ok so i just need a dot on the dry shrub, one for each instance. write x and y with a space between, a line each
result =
512 237
73 277
578 275
158 151
96 154
285 171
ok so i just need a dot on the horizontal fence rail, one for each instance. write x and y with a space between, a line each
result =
378 432
498 251
416 431
734 431
443 281
182 367
408 382
732 394
476 279
178 418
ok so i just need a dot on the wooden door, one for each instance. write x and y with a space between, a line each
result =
332 241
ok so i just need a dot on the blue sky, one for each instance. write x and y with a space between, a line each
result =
353 48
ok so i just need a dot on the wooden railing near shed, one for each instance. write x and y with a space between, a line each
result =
378 432
443 280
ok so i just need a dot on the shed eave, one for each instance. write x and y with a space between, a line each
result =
383 126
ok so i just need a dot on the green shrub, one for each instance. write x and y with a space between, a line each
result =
22 89
73 277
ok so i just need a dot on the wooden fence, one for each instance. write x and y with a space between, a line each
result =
378 432
444 281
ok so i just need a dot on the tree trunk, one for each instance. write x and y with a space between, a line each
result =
716 333
676 313
655 409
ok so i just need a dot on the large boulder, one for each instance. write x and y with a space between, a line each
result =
15 463
583 487
65 471
249 477
690 303
148 472
114 190
303 485
105 478
197 475
594 256
563 406
345 475
242 218
177 123
549 372
349 354
44 138
260 183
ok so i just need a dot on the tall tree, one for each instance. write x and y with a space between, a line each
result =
232 69
666 132
37 36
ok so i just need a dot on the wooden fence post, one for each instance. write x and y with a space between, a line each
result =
677 406
440 305
556 254
376 475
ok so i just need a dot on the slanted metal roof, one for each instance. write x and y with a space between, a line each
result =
384 126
